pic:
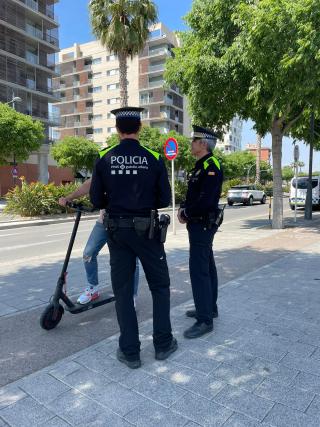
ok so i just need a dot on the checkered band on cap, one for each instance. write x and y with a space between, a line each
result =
127 113
202 135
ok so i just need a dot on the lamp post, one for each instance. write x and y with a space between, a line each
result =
13 101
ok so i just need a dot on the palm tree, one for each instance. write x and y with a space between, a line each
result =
123 28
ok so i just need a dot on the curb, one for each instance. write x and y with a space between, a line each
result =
36 222
31 223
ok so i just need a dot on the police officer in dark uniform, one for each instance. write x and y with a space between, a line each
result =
131 182
201 213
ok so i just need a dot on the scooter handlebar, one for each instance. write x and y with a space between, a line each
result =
79 207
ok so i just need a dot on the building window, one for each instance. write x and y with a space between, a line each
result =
110 116
113 101
98 101
96 89
113 72
154 34
97 117
98 130
113 86
112 130
96 61
96 75
111 57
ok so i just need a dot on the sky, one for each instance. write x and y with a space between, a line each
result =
75 28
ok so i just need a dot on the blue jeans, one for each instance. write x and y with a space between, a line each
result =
96 241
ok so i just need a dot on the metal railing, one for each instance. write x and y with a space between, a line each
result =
32 58
153 68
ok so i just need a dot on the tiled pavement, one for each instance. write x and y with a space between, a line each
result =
260 366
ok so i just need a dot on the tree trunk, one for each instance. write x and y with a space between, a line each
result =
123 80
258 160
277 212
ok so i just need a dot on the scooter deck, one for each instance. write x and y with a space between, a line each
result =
104 298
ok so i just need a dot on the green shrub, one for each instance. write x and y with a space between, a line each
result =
268 189
37 199
180 188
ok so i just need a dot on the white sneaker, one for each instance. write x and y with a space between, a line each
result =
90 294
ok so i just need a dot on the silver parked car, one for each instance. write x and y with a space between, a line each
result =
246 194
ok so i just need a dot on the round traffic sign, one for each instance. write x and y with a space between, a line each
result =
14 172
171 148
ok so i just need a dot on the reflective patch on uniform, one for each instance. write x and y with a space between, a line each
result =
211 173
113 172
135 172
128 172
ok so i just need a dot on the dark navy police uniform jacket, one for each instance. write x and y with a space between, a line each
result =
204 187
130 180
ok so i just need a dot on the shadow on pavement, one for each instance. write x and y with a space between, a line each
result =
26 348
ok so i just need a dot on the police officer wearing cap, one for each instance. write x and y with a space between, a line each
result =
131 182
201 213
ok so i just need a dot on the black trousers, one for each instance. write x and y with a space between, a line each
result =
203 271
124 246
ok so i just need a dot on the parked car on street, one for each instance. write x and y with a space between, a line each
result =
246 194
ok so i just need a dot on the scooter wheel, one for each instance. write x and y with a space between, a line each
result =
49 319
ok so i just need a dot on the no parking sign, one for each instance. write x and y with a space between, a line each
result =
171 148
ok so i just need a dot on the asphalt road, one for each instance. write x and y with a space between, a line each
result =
34 256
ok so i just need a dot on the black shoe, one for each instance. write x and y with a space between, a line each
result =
132 364
197 330
193 313
164 354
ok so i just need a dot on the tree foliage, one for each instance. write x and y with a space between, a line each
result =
20 135
287 173
122 27
77 153
258 59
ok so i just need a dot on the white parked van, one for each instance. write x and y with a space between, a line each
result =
302 186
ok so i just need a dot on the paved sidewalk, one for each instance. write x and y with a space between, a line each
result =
260 366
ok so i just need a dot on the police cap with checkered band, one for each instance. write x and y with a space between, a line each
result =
203 133
127 113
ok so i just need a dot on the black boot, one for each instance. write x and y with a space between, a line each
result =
197 330
132 364
164 354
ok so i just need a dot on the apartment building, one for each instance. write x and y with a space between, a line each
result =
28 44
89 88
232 139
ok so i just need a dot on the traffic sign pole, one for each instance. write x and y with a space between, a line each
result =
173 199
171 152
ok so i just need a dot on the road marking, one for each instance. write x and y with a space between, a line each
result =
12 248
12 234
68 233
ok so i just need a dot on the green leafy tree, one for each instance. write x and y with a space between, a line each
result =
77 153
258 59
19 135
287 173
122 27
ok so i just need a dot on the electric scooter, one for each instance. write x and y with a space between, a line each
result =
53 313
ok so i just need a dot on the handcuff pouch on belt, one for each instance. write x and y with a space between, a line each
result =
215 219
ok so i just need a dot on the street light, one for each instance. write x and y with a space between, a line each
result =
13 100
